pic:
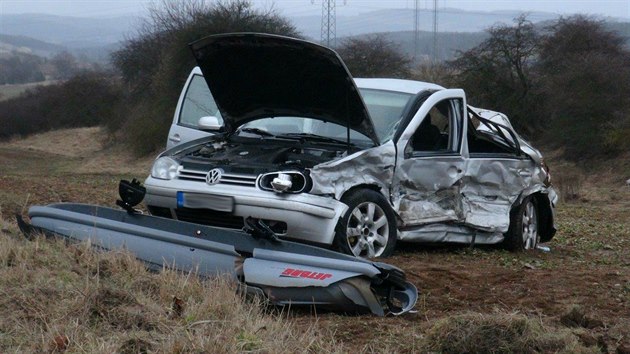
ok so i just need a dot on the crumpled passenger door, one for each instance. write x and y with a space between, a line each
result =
497 173
429 163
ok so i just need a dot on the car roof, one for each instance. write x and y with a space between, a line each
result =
398 85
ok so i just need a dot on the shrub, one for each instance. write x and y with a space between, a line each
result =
570 182
88 99
585 71
499 333
18 68
155 63
567 86
374 56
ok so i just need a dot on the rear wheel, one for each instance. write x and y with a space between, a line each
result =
368 229
523 231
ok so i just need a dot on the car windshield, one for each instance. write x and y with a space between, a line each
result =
385 108
297 127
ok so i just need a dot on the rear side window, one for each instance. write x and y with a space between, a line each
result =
487 137
198 103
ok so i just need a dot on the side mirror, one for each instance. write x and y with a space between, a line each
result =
209 123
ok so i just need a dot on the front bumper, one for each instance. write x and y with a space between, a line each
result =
308 217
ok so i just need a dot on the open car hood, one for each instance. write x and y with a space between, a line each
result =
253 75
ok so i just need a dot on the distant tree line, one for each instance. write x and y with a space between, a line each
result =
20 68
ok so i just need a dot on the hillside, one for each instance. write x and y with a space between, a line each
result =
28 45
71 32
396 20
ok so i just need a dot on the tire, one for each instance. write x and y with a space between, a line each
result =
524 225
368 228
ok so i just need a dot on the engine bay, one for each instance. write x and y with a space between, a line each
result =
255 156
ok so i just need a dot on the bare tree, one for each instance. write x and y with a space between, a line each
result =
374 56
65 64
497 73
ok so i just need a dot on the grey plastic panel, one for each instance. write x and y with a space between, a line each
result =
366 269
102 224
158 252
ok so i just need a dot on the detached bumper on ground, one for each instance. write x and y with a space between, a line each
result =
281 271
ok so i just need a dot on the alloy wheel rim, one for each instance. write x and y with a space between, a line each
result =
367 231
530 226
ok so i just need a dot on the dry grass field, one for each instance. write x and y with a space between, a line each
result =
10 91
60 298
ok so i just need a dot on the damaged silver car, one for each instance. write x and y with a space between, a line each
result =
356 164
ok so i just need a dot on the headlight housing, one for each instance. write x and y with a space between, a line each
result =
164 168
284 182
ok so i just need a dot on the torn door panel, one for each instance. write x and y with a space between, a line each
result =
419 208
490 189
428 191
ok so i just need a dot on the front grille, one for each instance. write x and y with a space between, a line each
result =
210 217
226 178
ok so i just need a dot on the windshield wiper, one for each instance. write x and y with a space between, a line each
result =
315 137
257 131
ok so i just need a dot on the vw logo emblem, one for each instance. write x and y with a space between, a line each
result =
214 176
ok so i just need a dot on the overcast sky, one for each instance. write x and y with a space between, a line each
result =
88 8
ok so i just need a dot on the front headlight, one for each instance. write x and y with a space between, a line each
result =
284 182
164 168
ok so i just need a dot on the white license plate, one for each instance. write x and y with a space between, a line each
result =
207 201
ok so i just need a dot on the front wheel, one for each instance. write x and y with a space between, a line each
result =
368 229
523 231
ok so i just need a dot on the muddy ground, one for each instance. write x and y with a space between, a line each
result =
588 265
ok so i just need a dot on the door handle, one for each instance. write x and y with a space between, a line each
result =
175 138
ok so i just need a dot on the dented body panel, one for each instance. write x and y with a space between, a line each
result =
371 167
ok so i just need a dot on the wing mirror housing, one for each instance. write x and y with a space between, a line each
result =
209 123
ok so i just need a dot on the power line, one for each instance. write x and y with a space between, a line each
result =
435 30
329 25
416 30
